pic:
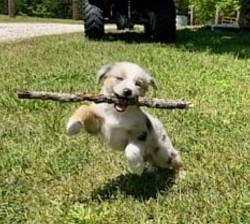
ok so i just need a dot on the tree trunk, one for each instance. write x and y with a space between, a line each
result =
244 20
75 9
12 8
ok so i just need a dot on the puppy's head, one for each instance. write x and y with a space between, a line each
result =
124 80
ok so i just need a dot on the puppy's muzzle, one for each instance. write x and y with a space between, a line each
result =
126 94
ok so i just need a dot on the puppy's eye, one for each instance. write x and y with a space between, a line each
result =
139 83
119 78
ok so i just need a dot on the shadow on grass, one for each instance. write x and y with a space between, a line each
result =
196 40
141 187
128 37
221 42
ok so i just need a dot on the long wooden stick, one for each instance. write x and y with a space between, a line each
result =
78 97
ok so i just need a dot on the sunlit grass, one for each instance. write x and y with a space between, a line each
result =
48 177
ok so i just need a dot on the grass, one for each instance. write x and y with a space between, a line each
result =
24 19
48 177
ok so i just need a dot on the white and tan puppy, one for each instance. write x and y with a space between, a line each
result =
127 128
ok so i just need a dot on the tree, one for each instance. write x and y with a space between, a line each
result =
11 8
245 14
182 6
205 10
75 9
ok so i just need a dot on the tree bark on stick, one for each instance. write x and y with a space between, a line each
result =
79 97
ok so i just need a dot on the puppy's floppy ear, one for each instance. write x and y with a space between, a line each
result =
101 73
153 83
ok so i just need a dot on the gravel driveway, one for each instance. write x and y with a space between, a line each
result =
15 31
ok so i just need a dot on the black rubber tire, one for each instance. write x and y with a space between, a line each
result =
93 20
165 27
148 30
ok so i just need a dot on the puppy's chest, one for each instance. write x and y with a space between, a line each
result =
118 132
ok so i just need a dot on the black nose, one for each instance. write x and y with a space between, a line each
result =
127 92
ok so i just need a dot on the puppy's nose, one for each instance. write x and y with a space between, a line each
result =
127 92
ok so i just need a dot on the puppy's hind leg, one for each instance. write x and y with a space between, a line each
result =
135 156
166 156
84 117
175 163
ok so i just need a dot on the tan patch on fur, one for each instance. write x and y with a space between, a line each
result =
109 80
142 85
139 81
109 84
91 121
122 73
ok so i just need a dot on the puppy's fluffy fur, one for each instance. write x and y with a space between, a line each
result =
127 128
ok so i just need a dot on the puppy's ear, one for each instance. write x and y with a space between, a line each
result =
101 73
153 83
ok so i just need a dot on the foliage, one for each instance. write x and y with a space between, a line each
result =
182 7
48 177
3 6
205 10
44 8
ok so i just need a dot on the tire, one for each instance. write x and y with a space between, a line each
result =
93 20
165 27
148 30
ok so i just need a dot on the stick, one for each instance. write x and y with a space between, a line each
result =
78 97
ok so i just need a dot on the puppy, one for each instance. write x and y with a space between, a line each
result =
127 127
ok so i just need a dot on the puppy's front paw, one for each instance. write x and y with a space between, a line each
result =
135 159
73 127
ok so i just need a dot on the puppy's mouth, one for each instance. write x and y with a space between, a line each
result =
120 107
123 102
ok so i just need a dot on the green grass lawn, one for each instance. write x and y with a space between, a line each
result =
48 177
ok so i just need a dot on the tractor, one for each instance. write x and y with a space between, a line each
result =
156 16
